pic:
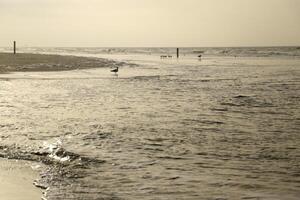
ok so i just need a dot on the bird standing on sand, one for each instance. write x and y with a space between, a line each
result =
115 70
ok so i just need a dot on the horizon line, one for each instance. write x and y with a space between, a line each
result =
258 46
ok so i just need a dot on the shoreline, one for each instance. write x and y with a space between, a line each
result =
17 180
29 62
19 177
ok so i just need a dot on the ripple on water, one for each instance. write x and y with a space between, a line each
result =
219 131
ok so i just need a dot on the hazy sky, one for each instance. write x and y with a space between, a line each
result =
173 23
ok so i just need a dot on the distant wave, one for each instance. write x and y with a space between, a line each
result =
208 51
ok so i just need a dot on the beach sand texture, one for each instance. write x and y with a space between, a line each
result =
16 180
41 62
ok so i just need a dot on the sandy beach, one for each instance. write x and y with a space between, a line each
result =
16 180
151 100
23 62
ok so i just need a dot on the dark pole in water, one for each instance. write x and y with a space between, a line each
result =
177 52
15 47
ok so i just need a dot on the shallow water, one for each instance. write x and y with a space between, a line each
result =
220 128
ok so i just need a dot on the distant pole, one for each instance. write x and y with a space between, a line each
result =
15 47
177 52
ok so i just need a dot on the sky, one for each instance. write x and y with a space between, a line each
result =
150 23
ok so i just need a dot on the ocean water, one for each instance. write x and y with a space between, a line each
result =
223 127
185 52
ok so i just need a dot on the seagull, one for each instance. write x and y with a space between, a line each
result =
115 70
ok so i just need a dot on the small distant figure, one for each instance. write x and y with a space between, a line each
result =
165 56
200 57
115 70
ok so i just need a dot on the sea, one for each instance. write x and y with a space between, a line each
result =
222 126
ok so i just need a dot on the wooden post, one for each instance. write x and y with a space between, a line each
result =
15 47
177 52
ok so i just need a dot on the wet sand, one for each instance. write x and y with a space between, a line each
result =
23 62
16 180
